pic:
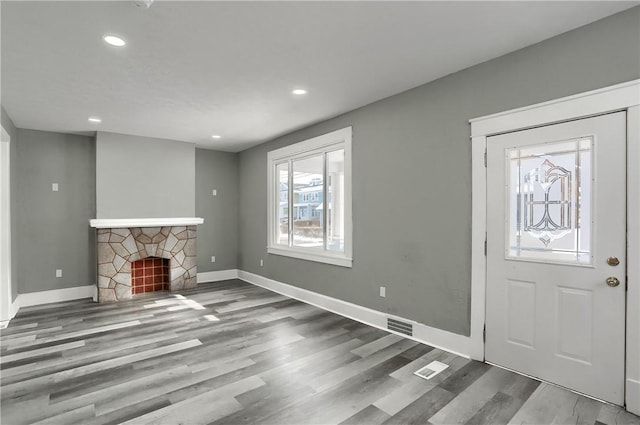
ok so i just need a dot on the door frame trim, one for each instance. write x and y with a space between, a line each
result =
6 298
619 97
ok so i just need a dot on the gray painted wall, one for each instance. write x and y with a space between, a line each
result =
412 174
52 228
142 177
218 235
7 124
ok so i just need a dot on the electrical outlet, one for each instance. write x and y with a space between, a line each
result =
261 262
383 291
58 272
213 258
54 187
214 192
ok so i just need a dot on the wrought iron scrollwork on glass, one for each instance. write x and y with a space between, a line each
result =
549 201
549 224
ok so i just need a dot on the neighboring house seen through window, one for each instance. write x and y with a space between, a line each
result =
310 199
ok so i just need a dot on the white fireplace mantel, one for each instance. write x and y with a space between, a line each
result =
116 223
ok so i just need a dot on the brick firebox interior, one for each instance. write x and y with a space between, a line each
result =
149 275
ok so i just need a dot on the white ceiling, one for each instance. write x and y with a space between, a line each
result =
193 69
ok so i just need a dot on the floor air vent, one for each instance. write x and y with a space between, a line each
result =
431 370
398 326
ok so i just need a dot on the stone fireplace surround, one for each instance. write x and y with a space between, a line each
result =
122 241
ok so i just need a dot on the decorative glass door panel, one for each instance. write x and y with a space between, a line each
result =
549 196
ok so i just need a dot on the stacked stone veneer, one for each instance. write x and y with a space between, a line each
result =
118 248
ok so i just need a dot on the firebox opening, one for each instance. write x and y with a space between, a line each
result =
149 275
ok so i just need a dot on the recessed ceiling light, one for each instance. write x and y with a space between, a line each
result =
113 40
299 91
216 136
95 120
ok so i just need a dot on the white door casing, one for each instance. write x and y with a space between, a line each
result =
619 97
556 212
5 230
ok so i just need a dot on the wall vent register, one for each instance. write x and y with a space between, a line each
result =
431 370
399 326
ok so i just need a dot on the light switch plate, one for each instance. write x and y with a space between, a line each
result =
54 187
58 272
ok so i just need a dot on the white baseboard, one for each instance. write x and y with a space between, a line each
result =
13 309
633 396
217 276
52 296
448 341
56 295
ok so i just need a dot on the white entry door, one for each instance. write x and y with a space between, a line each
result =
556 229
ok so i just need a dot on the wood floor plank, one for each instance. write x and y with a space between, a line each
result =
70 335
20 341
242 305
584 411
613 415
233 353
167 385
370 415
125 394
92 353
97 381
202 411
423 408
31 330
127 413
7 358
204 408
267 401
415 387
548 404
341 374
498 410
356 393
33 385
73 416
377 345
83 370
475 397
25 411
16 329
464 377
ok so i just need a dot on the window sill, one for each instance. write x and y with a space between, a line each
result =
312 256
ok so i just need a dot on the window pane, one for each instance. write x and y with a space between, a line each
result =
308 187
335 200
550 202
282 171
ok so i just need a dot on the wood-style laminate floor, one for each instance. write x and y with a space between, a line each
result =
233 353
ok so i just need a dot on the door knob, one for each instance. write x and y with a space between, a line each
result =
613 261
613 281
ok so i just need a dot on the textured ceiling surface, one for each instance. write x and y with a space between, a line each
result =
193 69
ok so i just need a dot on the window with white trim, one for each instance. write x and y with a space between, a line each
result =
310 199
